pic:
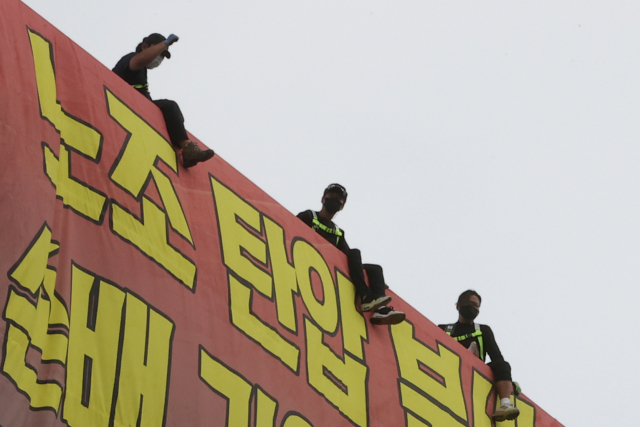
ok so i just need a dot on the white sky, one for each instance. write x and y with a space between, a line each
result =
484 144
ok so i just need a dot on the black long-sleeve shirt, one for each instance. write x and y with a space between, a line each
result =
490 346
136 78
307 218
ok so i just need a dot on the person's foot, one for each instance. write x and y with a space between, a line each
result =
506 412
192 154
387 316
370 303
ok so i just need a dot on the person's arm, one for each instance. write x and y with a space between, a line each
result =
342 244
490 344
144 58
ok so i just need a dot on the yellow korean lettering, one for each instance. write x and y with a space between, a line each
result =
293 420
482 388
82 199
229 384
309 261
527 416
444 363
144 366
266 407
35 321
413 421
58 315
426 410
30 271
73 133
41 395
354 328
345 385
482 391
137 161
239 243
135 166
268 337
284 275
150 236
29 323
94 332
172 205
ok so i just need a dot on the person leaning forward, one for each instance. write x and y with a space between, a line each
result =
133 67
480 341
372 298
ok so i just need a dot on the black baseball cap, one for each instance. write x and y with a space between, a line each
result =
156 38
336 188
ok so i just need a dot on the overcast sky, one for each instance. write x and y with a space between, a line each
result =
484 144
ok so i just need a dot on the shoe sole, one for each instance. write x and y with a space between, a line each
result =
392 319
506 417
374 305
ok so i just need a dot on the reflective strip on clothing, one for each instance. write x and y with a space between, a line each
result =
317 224
477 333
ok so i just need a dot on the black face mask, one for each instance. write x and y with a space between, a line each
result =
332 205
469 312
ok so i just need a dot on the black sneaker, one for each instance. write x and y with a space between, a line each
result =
192 154
387 316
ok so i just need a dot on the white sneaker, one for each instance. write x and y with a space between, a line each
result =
505 412
375 304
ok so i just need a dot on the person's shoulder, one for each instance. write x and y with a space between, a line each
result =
123 63
305 214
486 329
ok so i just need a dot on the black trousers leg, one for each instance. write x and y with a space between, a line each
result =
174 120
357 273
376 279
501 370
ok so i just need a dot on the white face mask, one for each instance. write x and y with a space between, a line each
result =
155 62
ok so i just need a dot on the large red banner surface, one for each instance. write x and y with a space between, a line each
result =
138 293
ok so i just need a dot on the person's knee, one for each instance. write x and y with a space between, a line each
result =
501 370
373 269
354 254
166 105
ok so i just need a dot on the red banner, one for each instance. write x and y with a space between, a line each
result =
139 293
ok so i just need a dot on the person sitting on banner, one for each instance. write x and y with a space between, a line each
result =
372 298
480 341
133 67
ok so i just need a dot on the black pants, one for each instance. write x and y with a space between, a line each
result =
376 286
501 370
174 120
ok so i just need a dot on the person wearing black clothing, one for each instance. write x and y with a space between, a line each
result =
372 298
132 68
479 339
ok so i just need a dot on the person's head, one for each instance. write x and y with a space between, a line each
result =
334 198
468 305
151 40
